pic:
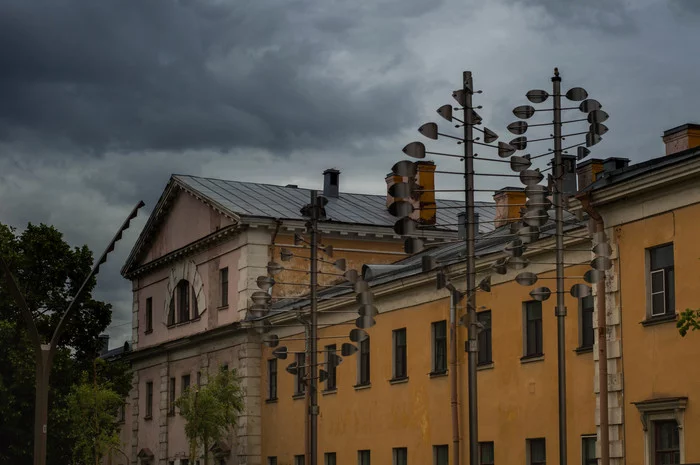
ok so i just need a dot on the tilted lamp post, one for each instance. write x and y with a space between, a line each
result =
44 353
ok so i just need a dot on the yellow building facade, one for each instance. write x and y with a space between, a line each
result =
650 212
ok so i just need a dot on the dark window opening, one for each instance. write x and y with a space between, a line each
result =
484 338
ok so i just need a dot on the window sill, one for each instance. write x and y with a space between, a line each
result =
532 358
272 400
583 349
484 366
148 417
359 387
183 323
661 319
298 396
223 307
327 392
148 331
403 379
437 374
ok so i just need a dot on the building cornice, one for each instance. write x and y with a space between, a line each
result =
648 182
205 242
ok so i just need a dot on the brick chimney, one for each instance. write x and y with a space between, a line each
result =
588 172
509 201
682 138
425 212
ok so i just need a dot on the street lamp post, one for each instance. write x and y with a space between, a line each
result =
44 353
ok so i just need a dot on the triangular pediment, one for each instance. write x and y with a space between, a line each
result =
180 218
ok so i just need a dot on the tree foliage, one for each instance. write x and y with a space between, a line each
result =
48 272
210 411
689 320
93 405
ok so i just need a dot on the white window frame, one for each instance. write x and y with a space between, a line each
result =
662 292
659 410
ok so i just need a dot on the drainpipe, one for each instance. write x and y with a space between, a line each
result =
454 299
602 343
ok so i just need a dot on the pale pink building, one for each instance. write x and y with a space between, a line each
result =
193 269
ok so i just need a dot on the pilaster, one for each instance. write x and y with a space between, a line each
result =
615 382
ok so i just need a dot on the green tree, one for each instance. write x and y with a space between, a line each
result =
689 320
93 405
48 271
210 411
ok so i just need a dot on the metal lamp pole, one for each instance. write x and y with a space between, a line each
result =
472 347
313 362
558 171
45 353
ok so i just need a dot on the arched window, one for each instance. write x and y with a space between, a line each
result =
183 303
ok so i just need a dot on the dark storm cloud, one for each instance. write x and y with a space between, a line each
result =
164 75
277 90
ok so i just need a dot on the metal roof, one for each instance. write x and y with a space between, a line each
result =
451 253
639 169
272 201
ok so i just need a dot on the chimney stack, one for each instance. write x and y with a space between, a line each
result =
331 183
425 211
588 172
509 201
682 138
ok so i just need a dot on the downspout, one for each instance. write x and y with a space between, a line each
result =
602 343
454 299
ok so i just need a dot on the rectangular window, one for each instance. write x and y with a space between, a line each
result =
484 338
183 301
400 456
588 450
171 397
171 312
272 379
184 461
587 336
486 453
667 448
363 364
149 314
272 461
439 333
400 369
330 367
298 460
149 399
533 329
185 383
441 455
329 458
199 378
300 387
536 451
363 457
223 281
663 300
122 413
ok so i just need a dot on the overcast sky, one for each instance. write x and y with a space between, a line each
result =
100 101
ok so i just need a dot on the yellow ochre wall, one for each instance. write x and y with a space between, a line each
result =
368 252
658 363
516 400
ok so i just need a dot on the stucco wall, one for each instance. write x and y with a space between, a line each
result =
187 220
658 363
516 400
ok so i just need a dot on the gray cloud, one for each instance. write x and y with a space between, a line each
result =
192 75
103 101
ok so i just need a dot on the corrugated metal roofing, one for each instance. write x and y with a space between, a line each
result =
271 201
